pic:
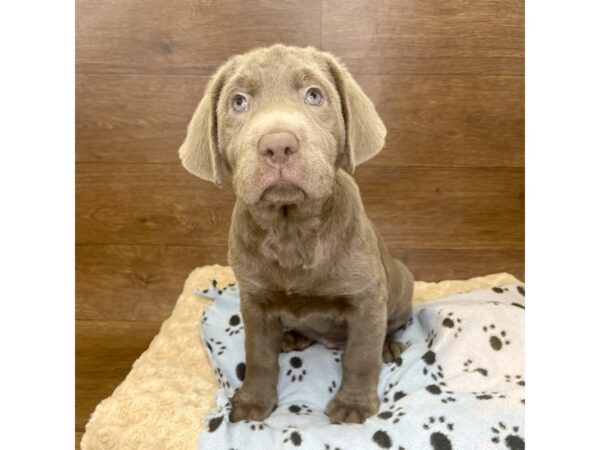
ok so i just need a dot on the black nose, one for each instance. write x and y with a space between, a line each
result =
278 147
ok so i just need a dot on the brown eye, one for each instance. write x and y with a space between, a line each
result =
313 97
239 103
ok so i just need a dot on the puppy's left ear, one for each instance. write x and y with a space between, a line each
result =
199 152
365 131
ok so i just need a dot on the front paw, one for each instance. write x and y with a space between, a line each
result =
252 406
354 410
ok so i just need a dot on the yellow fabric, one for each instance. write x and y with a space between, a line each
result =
171 386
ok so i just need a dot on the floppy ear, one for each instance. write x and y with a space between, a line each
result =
199 152
365 132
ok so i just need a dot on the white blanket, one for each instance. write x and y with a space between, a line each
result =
458 385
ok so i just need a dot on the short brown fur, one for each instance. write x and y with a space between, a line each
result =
305 254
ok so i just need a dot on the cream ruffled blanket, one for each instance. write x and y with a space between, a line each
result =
171 386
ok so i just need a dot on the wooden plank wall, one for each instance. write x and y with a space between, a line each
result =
447 191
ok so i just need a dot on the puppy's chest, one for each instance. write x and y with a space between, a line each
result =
292 247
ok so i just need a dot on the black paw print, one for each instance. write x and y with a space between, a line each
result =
468 367
395 396
397 363
516 379
204 317
382 439
256 426
518 305
510 436
331 447
430 338
450 321
394 414
214 423
521 290
499 290
296 372
484 395
218 345
434 370
332 387
292 435
497 340
440 429
446 396
336 355
300 410
221 380
235 325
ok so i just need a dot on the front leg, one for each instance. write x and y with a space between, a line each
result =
357 397
257 397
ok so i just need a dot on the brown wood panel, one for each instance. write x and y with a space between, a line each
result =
133 282
160 204
425 37
134 117
78 436
104 354
452 121
432 120
130 282
441 264
185 36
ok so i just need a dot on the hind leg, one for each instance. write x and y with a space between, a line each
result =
392 349
292 340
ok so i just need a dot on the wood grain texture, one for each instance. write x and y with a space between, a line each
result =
160 204
452 121
136 282
415 37
185 36
104 353
131 282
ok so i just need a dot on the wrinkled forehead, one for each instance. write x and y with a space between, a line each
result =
277 69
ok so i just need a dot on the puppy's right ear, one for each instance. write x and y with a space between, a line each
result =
199 152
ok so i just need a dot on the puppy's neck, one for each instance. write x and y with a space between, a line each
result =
308 214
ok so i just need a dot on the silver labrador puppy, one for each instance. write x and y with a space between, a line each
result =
290 125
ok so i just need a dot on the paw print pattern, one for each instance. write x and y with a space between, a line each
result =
395 396
499 290
509 436
295 372
300 410
292 436
332 387
521 290
484 395
393 415
331 447
452 322
440 431
397 363
446 396
516 379
336 355
221 381
434 370
497 340
256 426
468 367
216 346
235 325
431 336
204 317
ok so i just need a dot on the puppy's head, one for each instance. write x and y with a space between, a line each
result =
282 120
